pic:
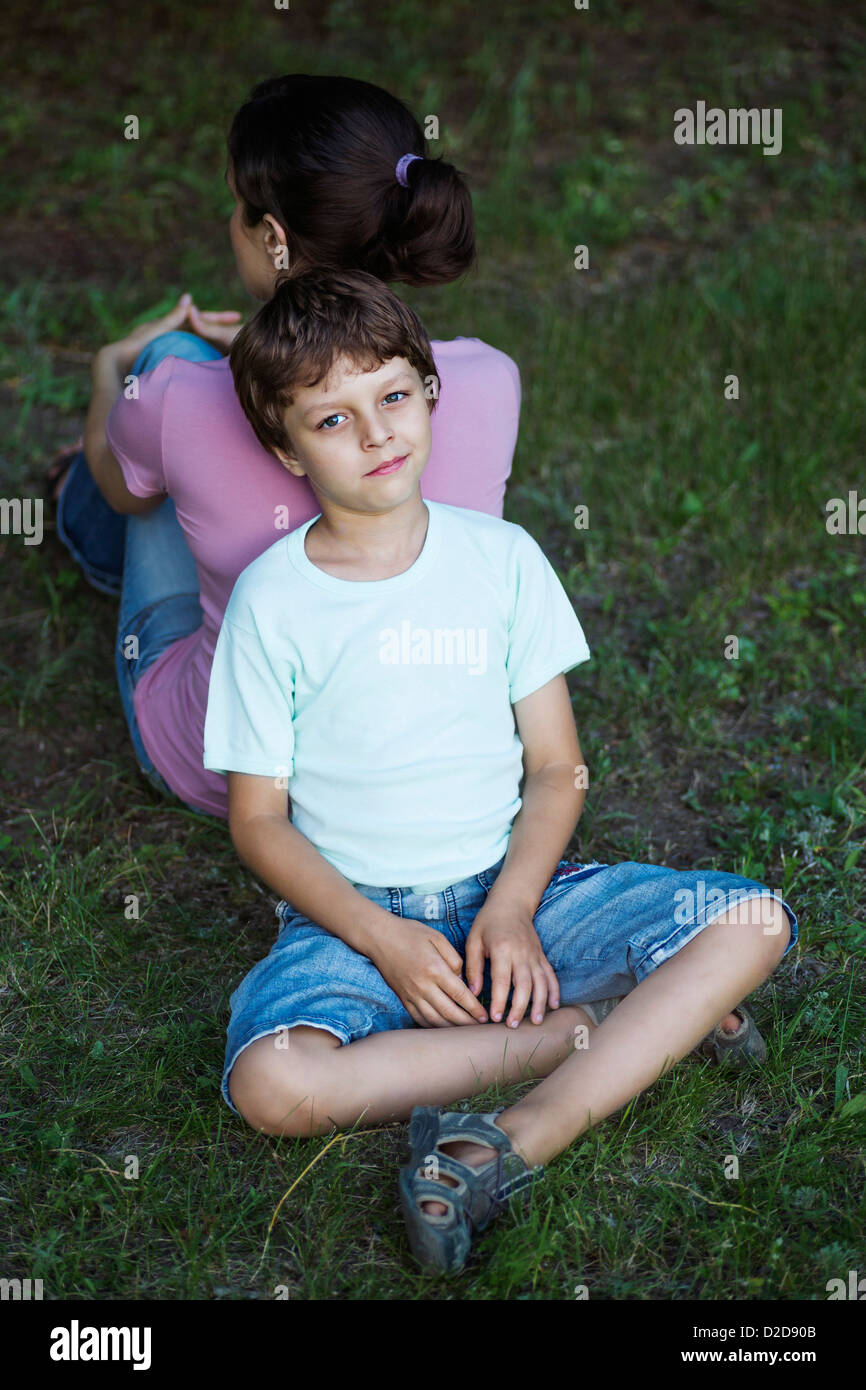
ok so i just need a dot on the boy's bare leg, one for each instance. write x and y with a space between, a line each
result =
304 1081
659 1022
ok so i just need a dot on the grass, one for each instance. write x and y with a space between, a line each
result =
706 520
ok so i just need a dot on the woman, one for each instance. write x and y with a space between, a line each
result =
173 495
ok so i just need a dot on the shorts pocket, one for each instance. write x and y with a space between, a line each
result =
288 916
564 876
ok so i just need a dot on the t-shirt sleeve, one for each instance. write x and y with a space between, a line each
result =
248 725
474 425
545 638
134 431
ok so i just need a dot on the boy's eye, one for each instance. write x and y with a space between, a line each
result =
392 395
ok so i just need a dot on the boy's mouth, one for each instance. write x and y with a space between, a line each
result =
390 467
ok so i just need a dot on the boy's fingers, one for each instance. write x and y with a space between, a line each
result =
426 1016
462 996
500 974
436 1010
539 994
520 998
453 983
448 1013
452 958
474 965
552 985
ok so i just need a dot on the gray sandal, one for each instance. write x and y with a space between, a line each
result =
442 1242
736 1049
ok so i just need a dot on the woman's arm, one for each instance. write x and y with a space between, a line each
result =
111 365
108 376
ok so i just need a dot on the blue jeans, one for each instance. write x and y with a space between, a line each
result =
144 559
603 927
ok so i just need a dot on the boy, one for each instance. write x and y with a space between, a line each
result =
397 665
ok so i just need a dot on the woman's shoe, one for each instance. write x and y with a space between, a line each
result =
58 468
441 1242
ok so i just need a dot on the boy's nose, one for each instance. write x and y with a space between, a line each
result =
378 440
375 432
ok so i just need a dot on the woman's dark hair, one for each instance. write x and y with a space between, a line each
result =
312 320
319 154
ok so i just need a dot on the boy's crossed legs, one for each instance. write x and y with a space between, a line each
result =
303 1081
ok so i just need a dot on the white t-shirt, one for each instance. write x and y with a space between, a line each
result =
387 703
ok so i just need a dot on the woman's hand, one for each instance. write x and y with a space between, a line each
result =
218 327
506 934
425 971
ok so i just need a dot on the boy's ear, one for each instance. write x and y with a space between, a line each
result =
291 463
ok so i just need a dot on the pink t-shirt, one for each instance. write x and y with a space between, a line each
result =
186 435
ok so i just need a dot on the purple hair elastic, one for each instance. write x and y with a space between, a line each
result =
402 165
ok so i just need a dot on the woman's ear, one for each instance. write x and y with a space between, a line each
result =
275 243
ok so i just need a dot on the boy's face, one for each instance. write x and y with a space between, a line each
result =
346 428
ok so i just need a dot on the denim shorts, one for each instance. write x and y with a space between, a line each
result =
603 927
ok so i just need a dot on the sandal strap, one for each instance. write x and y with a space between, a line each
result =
426 1190
483 1191
473 1199
458 1125
449 1165
429 1190
519 1183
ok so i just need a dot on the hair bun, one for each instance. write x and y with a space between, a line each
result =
308 150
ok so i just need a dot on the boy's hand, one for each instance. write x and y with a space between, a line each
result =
425 971
506 934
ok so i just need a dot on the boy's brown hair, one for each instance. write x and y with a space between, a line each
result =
312 320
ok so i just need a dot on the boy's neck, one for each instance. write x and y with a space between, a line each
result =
367 545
